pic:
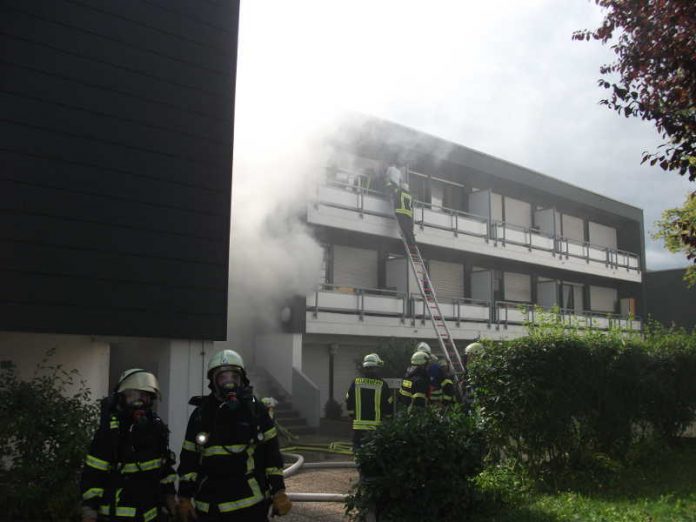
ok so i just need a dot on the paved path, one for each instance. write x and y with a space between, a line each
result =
319 481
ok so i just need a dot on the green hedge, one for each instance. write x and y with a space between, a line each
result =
419 466
559 397
44 435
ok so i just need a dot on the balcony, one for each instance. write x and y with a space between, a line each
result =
353 207
340 310
509 313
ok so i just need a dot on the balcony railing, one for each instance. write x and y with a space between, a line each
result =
508 312
364 302
358 198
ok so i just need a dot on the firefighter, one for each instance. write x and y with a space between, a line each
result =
128 473
415 386
402 202
368 399
447 388
436 374
231 468
471 352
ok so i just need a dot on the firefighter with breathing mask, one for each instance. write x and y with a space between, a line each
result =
231 468
128 473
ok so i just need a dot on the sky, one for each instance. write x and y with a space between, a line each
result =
500 76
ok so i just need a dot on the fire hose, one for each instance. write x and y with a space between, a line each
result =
300 463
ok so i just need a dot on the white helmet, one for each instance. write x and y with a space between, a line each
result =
138 379
372 360
425 347
420 358
474 348
225 358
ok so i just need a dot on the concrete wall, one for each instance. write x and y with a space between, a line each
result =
88 356
277 353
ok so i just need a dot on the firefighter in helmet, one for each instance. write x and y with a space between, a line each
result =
231 468
415 386
128 473
368 399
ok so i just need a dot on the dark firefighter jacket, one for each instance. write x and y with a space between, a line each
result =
441 385
128 470
230 458
415 387
368 400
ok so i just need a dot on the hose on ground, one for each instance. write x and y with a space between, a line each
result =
313 497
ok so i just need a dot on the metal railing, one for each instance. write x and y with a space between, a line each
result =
511 312
496 231
457 310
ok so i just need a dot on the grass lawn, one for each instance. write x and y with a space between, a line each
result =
661 489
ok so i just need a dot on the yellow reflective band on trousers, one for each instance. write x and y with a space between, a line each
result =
274 471
269 434
120 511
147 465
92 493
234 505
94 462
150 514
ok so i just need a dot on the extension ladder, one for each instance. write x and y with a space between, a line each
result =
444 335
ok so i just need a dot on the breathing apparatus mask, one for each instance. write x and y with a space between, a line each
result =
228 384
136 405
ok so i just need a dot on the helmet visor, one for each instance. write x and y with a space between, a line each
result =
228 378
137 398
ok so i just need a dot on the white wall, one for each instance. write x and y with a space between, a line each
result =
88 356
315 365
602 235
276 353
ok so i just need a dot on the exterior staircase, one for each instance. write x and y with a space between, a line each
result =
285 414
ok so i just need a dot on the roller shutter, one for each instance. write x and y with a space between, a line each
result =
355 267
447 278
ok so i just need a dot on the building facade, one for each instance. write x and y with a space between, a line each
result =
499 240
115 179
670 300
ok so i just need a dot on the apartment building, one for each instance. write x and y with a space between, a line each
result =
499 240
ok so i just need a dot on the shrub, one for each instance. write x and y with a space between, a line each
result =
396 354
419 466
564 399
44 435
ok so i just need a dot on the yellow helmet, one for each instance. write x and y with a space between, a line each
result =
372 360
138 379
420 358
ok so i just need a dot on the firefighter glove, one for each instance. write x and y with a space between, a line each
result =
185 512
281 503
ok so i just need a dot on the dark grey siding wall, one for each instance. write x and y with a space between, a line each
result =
116 130
670 301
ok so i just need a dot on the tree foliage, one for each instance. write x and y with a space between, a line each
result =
654 75
44 435
678 230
